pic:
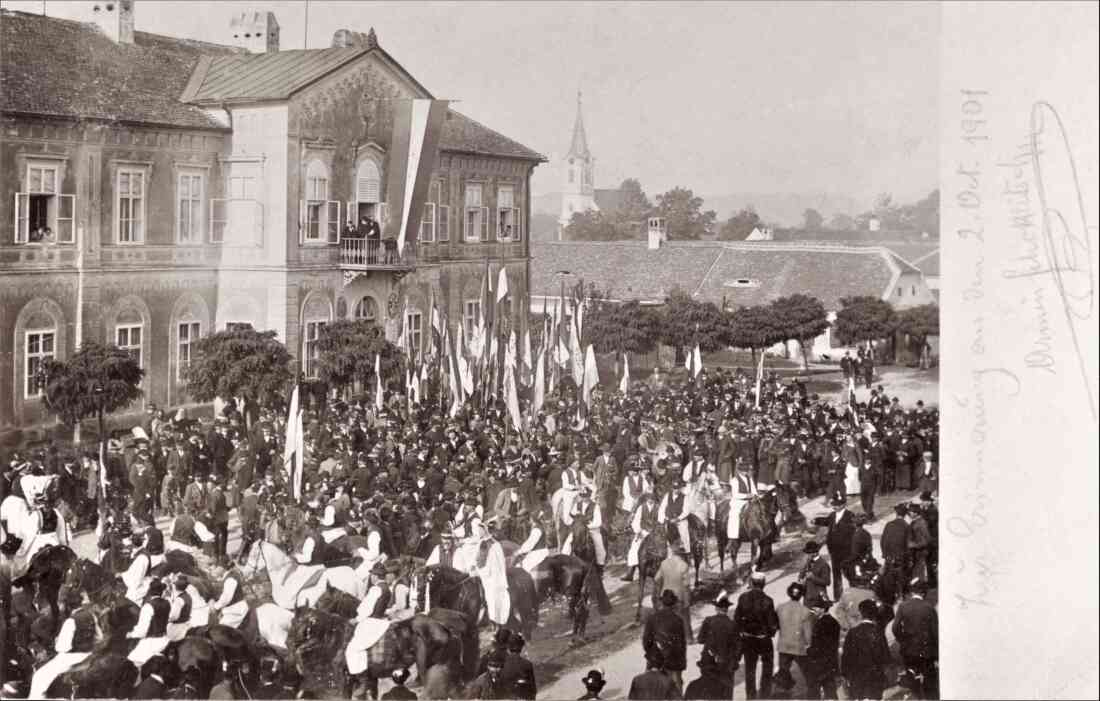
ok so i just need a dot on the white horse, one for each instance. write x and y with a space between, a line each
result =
294 584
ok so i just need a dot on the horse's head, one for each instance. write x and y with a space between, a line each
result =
314 636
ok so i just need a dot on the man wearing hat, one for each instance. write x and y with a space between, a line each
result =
920 539
643 522
664 630
742 488
757 624
674 575
606 477
673 514
865 656
370 625
656 682
593 685
216 515
916 628
399 692
76 639
822 663
488 685
816 573
517 677
149 555
718 636
179 615
151 629
588 512
795 632
635 485
838 541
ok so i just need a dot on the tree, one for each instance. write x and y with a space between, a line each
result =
740 225
634 205
755 328
253 365
800 318
684 215
686 322
926 214
864 319
621 328
346 350
98 379
842 222
812 220
591 225
920 323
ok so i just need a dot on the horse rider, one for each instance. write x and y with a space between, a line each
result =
231 605
371 623
151 629
147 556
484 558
635 486
312 551
562 500
643 521
179 615
533 550
674 512
372 554
742 489
588 512
75 641
45 522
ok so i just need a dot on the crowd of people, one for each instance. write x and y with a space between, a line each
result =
450 488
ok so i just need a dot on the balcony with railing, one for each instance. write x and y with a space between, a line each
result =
375 254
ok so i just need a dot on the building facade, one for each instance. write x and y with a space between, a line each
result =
158 189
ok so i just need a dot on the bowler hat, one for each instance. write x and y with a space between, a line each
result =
811 547
669 598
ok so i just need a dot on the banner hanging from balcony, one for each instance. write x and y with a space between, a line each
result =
416 128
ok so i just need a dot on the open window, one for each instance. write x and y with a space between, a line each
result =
42 214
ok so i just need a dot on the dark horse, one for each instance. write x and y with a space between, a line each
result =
318 640
758 524
576 581
45 575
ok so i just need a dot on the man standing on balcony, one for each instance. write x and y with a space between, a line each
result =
372 232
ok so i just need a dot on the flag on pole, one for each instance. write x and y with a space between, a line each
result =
299 457
697 362
591 375
540 383
291 427
511 395
624 384
417 124
502 284
576 351
528 360
378 381
293 447
759 379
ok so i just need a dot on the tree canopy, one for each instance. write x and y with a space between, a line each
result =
686 322
740 225
621 328
96 376
754 328
346 350
863 319
242 362
591 225
634 205
799 318
920 322
812 220
684 215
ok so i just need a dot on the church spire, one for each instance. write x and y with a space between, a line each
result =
579 147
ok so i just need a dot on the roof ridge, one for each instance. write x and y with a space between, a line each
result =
198 43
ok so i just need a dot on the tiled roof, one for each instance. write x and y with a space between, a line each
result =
924 257
267 76
57 67
464 135
628 270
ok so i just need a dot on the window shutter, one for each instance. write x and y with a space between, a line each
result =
22 216
302 223
444 223
333 222
217 220
484 223
66 213
350 214
367 190
427 223
517 225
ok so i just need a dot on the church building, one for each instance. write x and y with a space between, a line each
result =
154 189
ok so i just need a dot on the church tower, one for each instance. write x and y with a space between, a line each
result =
577 192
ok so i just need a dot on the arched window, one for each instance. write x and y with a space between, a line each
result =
39 337
366 309
316 312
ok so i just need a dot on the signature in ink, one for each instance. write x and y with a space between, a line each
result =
1065 227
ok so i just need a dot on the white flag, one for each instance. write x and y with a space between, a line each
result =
502 284
378 382
591 374
577 354
697 362
759 380
624 384
299 456
291 431
540 383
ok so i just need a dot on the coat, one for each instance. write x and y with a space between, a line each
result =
795 628
653 685
709 686
517 677
718 634
665 630
755 614
895 540
916 628
824 650
674 575
839 539
865 656
818 578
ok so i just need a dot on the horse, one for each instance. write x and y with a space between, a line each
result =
45 574
291 580
318 641
574 579
761 521
449 588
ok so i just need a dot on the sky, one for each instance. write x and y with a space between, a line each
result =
721 98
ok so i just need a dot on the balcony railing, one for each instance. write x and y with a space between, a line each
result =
375 254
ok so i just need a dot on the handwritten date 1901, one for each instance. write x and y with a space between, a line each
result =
975 133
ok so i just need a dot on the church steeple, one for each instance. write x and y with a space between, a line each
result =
579 146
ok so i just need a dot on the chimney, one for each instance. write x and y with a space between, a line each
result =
115 18
346 38
258 32
656 232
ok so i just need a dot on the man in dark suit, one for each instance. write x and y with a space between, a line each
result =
865 657
757 623
841 527
217 516
665 631
713 682
869 475
821 657
816 573
654 684
517 678
916 628
718 635
152 679
895 546
861 544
